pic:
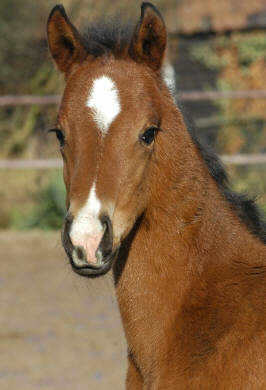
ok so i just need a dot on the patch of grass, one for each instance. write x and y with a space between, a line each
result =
49 210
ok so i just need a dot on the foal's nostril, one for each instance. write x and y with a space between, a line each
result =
80 253
106 245
79 257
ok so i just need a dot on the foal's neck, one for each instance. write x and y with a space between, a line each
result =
185 250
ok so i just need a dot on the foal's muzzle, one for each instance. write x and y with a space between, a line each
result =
104 254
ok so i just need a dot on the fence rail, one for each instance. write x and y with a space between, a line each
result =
237 159
31 164
26 100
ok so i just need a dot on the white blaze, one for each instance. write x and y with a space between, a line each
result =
87 222
104 101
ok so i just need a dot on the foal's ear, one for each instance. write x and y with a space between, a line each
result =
149 39
65 42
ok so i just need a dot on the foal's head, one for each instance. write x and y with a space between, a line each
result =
108 126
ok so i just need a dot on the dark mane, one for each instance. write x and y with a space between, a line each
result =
108 37
111 37
245 207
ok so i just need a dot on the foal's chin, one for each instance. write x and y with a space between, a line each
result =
91 271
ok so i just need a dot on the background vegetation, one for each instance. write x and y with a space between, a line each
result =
238 61
234 61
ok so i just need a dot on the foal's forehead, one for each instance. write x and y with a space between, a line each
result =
120 73
103 92
104 102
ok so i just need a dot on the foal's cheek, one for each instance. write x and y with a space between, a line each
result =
120 227
125 216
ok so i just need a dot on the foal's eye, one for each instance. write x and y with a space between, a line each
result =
148 136
60 136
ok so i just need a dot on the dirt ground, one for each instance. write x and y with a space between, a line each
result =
57 329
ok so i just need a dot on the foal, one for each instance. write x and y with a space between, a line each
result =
145 198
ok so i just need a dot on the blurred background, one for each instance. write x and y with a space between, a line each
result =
216 61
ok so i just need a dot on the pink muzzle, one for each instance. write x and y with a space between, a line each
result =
86 247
